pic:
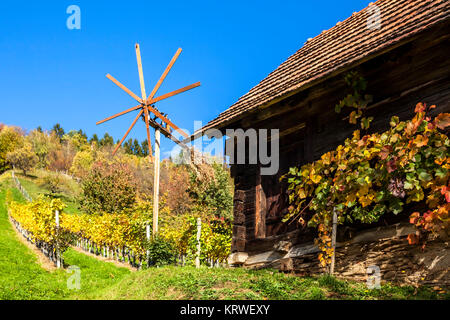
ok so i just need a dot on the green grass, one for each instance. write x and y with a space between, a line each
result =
206 283
70 189
21 277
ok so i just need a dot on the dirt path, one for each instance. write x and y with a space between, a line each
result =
43 261
104 259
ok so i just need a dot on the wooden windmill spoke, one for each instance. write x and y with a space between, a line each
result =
141 72
110 77
118 114
163 76
144 96
167 121
173 93
129 129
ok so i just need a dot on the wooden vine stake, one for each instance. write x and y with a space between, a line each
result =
199 232
58 259
160 122
333 241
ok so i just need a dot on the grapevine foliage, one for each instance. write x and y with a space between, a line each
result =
376 174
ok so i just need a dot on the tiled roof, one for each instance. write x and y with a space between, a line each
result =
337 48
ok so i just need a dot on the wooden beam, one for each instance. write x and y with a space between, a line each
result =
173 93
163 76
156 183
167 121
119 114
129 129
141 72
116 82
164 96
167 133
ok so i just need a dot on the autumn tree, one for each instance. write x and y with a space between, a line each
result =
211 188
82 163
11 138
23 158
108 188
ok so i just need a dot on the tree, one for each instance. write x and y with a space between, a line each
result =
10 139
94 139
52 182
137 148
144 147
82 163
77 140
42 143
108 188
23 158
128 146
58 130
211 188
107 140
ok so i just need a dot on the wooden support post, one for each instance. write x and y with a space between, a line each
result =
156 183
147 227
148 231
199 232
58 260
333 241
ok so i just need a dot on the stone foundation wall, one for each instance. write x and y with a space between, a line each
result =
386 248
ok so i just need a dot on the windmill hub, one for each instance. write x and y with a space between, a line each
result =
147 107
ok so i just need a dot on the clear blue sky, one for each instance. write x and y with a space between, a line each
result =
51 74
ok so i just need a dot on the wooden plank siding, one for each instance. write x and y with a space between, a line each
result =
418 71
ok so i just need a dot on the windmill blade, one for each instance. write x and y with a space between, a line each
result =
173 93
163 76
118 114
141 72
167 121
129 129
110 77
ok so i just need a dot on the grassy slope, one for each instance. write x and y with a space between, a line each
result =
206 283
22 278
68 193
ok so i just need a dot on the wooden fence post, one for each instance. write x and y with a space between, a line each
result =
199 232
333 241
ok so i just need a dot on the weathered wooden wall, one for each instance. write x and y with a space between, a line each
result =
418 71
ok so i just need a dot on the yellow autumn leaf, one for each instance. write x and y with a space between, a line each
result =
366 200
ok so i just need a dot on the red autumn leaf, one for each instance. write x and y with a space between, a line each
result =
391 166
445 191
385 152
420 107
414 217
442 121
413 239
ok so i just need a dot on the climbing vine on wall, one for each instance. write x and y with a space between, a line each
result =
376 174
356 99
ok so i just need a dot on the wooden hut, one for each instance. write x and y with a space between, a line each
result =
404 60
